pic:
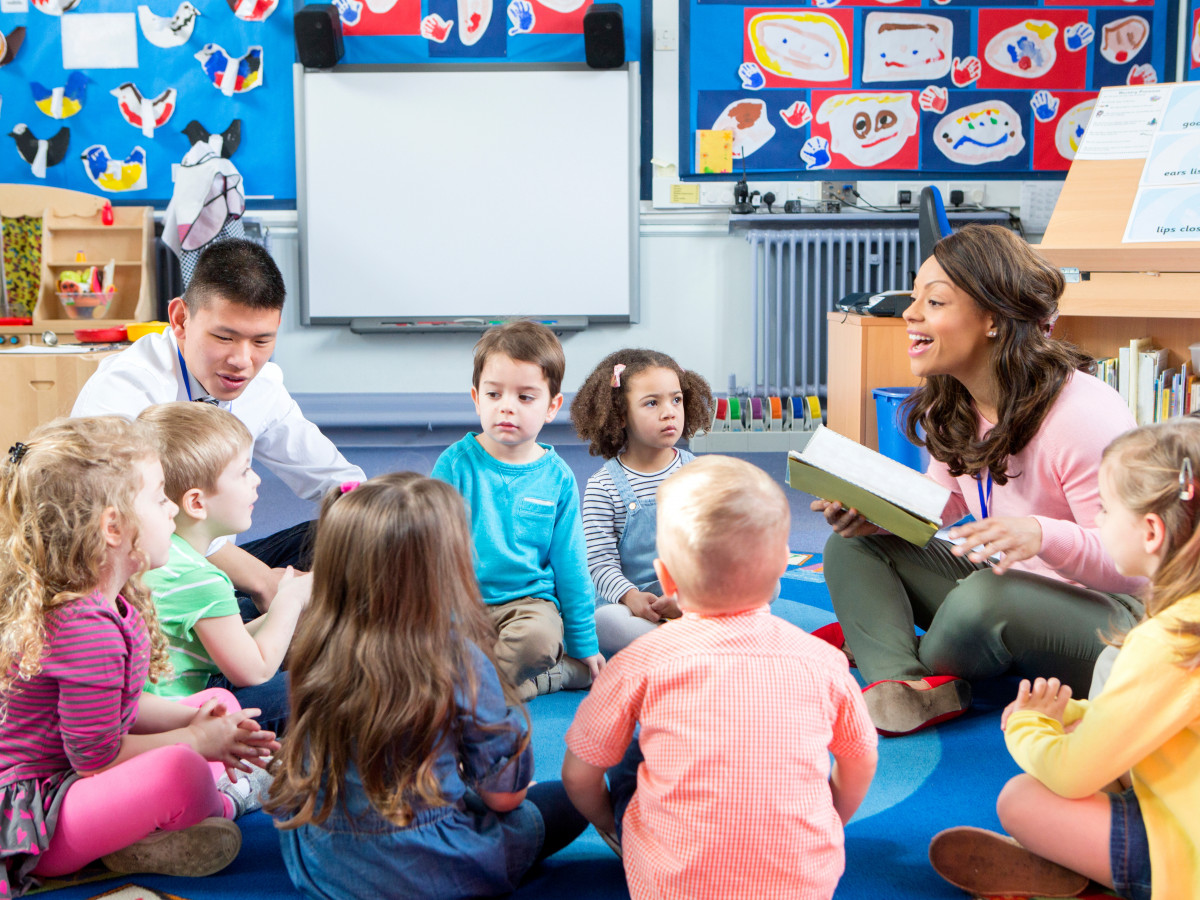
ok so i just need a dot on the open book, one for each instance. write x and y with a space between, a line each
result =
885 492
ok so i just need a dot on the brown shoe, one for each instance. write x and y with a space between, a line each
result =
898 708
205 848
993 865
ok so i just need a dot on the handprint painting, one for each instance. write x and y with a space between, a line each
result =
1025 50
870 128
981 133
798 45
906 47
749 123
1122 40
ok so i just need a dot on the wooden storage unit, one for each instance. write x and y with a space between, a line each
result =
865 352
71 224
41 386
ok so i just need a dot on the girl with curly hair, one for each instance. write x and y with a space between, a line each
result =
90 766
634 407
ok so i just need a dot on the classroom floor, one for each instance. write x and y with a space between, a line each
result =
946 776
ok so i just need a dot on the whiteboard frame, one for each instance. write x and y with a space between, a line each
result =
388 324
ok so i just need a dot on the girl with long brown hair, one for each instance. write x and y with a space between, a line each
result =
407 766
1015 426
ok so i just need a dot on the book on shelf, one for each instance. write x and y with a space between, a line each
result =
885 492
1127 371
1152 363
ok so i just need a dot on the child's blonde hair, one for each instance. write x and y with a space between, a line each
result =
381 652
523 340
54 490
1153 470
600 408
722 515
196 441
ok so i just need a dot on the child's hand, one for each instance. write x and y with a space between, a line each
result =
1047 696
595 664
641 604
294 587
230 738
666 607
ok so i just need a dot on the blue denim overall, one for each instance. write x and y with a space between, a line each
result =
638 545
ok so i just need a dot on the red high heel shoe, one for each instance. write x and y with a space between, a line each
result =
832 634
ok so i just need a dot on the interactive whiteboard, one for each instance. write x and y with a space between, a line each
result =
481 192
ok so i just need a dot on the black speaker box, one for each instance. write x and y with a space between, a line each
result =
319 36
604 36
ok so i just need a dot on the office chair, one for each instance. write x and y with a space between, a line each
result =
932 223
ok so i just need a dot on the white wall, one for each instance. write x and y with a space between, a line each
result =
694 287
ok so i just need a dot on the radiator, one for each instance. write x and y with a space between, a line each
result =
797 276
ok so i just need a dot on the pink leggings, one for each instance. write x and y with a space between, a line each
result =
167 789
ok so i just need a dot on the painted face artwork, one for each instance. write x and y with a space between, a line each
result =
868 128
1122 40
802 45
1196 44
474 16
1025 50
907 47
1069 131
980 133
750 124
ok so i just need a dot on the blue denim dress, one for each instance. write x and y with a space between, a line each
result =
638 545
463 849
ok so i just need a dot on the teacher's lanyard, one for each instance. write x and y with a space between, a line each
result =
985 500
187 380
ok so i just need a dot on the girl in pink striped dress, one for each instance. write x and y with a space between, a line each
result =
90 767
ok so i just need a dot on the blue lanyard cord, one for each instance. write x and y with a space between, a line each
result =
187 381
985 501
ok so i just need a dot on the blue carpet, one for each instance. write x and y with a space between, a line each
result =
929 781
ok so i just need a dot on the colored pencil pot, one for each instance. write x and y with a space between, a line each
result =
86 306
892 442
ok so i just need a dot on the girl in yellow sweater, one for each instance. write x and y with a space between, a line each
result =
1070 818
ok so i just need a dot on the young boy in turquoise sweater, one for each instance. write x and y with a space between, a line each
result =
530 554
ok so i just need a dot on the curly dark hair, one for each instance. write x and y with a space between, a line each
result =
598 410
1008 279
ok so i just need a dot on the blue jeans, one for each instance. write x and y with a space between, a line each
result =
622 781
290 547
271 697
1128 848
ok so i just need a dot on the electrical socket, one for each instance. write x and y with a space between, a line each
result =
914 189
974 192
804 190
839 191
778 188
716 193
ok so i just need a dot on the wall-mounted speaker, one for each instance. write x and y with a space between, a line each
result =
604 36
318 36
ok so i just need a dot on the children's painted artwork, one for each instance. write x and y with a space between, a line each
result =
799 45
907 47
168 31
714 152
1194 69
115 175
868 128
146 113
64 101
996 87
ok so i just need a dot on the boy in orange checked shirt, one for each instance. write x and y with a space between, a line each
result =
728 791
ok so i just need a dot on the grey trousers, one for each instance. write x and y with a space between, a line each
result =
977 624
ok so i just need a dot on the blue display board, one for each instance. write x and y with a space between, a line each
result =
1192 42
962 87
176 56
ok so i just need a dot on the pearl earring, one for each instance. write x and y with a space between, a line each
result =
991 334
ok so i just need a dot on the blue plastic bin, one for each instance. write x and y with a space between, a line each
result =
892 442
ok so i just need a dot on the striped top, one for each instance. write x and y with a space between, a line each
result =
739 714
75 711
604 522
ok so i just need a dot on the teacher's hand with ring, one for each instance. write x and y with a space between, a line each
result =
1014 537
845 522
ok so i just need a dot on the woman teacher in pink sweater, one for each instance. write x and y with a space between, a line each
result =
1015 426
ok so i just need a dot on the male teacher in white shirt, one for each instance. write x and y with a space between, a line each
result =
217 349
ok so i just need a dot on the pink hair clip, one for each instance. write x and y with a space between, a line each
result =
617 370
348 486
